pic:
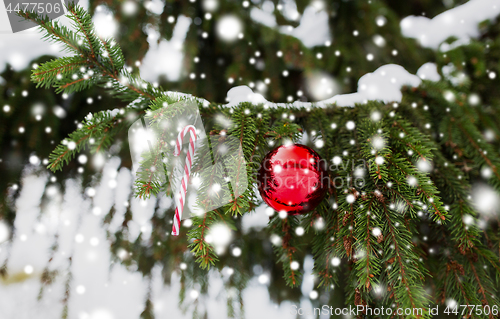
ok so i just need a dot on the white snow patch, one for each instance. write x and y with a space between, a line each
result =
428 71
308 281
384 84
255 220
4 231
18 49
460 22
263 17
155 6
313 29
165 58
258 306
243 93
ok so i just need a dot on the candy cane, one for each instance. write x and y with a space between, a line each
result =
180 201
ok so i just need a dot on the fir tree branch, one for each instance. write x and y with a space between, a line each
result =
409 291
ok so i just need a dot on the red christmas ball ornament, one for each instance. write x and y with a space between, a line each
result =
293 178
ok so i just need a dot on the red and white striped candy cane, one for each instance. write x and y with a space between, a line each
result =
181 199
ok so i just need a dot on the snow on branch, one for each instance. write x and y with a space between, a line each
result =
384 84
